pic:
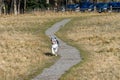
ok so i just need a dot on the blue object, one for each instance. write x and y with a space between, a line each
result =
102 7
85 6
72 6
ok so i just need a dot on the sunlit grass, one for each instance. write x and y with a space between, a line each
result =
23 43
100 37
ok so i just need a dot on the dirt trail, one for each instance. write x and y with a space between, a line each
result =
69 56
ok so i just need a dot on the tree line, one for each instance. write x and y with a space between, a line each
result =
12 6
20 6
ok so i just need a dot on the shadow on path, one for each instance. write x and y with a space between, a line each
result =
48 54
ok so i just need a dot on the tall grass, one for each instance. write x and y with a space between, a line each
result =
99 36
23 44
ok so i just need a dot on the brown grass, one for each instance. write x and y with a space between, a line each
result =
100 37
23 43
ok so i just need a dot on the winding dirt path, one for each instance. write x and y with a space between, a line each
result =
69 56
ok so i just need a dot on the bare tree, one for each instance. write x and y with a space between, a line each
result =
15 7
47 2
18 8
0 7
12 6
25 1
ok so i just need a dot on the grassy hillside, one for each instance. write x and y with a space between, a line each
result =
98 39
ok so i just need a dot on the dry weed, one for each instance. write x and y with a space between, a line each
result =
23 43
100 35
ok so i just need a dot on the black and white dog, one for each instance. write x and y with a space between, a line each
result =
55 45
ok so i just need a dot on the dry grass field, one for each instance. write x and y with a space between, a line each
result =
23 44
99 38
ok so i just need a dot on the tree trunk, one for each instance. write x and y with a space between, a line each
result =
47 2
15 7
25 1
12 7
19 6
0 7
